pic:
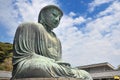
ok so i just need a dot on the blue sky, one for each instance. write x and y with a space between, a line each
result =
89 30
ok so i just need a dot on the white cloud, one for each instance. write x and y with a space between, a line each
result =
112 9
29 11
109 23
15 12
96 3
72 14
100 44
8 15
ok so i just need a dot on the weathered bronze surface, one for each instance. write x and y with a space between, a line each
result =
37 50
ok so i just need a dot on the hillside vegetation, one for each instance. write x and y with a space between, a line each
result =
6 50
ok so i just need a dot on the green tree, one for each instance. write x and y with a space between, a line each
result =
6 50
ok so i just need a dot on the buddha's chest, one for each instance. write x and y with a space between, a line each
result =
52 40
53 46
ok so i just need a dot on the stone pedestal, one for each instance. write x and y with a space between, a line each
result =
48 79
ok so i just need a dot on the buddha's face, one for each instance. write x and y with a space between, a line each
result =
52 17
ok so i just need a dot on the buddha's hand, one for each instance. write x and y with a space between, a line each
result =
63 63
67 66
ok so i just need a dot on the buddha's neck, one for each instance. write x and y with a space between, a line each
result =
47 27
49 30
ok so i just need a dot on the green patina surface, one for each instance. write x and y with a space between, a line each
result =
37 50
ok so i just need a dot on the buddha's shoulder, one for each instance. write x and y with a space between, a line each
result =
31 24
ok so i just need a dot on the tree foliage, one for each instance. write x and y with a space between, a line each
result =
6 50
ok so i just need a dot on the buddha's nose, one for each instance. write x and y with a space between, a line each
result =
57 19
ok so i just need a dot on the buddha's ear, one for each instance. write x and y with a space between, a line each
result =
40 17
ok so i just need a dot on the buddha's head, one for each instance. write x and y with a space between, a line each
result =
50 16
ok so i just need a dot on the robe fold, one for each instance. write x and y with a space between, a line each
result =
36 52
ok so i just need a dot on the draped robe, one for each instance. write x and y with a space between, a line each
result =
37 53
